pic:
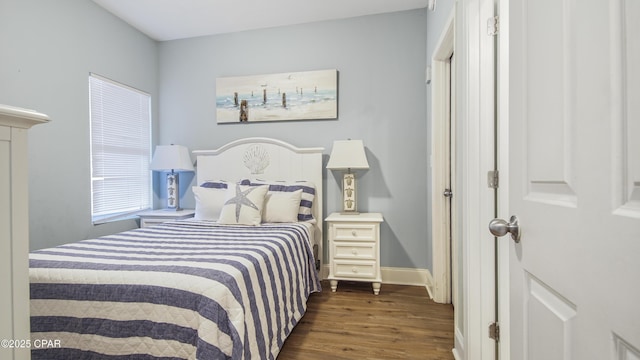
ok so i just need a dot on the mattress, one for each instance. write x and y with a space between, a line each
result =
179 290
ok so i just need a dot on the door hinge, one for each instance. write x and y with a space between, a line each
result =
493 178
493 26
494 331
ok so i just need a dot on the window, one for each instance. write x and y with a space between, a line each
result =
120 149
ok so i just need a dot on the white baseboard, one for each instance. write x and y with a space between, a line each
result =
456 356
324 272
458 349
400 276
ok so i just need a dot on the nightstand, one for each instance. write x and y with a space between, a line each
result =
354 248
154 217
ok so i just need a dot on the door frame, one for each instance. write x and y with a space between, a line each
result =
476 134
503 166
440 164
476 111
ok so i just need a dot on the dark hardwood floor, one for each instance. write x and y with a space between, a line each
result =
352 323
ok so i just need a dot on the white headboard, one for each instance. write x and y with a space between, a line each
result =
267 159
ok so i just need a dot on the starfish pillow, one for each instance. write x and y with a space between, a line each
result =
243 205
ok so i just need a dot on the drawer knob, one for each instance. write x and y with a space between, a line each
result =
354 251
354 270
353 232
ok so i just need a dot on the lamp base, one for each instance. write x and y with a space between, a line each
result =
349 199
173 192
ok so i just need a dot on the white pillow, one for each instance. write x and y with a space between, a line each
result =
243 205
209 202
281 207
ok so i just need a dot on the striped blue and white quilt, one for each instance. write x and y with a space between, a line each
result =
179 290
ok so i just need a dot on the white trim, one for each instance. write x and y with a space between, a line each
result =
20 118
487 208
475 113
458 349
441 247
406 276
398 276
324 272
504 310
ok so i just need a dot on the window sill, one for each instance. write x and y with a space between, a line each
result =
105 219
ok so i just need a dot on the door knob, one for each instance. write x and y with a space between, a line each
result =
499 227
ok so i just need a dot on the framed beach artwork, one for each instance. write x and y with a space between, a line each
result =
308 95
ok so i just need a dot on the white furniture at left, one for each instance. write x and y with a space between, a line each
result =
14 230
153 217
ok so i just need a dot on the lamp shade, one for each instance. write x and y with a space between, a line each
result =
347 154
171 157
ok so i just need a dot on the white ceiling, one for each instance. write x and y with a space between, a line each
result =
178 19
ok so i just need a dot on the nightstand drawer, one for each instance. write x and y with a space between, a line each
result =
354 248
353 269
345 250
355 232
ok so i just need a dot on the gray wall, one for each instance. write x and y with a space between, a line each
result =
47 50
50 47
381 61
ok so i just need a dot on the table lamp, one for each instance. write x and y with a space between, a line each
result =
174 158
348 155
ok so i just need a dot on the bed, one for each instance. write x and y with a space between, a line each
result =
219 286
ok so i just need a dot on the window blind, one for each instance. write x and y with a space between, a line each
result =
120 148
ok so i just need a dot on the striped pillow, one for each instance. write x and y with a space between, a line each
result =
219 184
210 197
306 199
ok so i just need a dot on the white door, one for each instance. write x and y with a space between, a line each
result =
569 140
